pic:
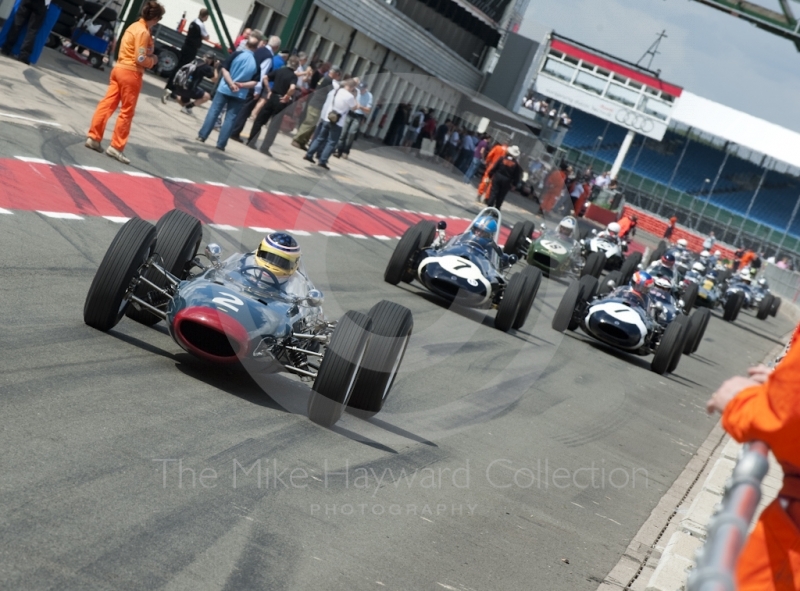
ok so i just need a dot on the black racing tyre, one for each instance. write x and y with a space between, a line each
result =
732 306
179 236
339 369
563 318
67 20
683 320
53 41
764 306
670 341
510 305
516 242
776 304
92 8
397 269
104 306
629 266
724 275
599 264
427 230
593 260
167 62
70 8
697 328
534 278
63 3
658 252
689 296
589 285
95 59
391 330
63 30
604 288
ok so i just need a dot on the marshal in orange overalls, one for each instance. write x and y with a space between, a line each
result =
770 412
135 56
495 154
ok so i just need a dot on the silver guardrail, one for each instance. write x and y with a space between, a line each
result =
783 282
716 560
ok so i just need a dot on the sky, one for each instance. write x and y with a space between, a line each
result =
707 52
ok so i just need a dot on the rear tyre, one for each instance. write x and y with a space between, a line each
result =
179 236
563 318
534 278
732 306
658 252
397 269
690 297
764 307
629 266
604 288
517 242
391 330
510 305
697 328
339 369
776 304
105 306
683 320
594 264
670 342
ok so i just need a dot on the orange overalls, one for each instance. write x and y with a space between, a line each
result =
624 225
746 258
135 56
553 186
495 154
770 412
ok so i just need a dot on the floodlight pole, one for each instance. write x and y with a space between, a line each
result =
752 200
713 186
623 151
675 171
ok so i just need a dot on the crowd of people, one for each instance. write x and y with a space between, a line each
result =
544 109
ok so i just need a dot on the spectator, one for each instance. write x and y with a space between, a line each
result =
238 76
32 14
553 186
186 85
329 80
709 242
195 36
429 127
414 127
467 148
265 56
451 150
135 56
441 136
566 121
329 129
505 173
765 406
783 263
397 125
747 258
354 120
497 152
284 83
303 71
242 38
477 157
670 227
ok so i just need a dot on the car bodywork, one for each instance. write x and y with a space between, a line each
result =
555 254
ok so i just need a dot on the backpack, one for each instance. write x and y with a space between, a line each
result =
183 77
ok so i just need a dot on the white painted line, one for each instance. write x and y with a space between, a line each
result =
178 180
300 232
213 184
281 193
373 206
116 219
91 169
262 230
10 116
392 209
397 237
5 212
142 175
224 227
332 199
330 234
309 197
59 215
251 189
359 236
34 160
379 237
425 213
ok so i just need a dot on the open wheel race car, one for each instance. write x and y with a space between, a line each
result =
469 269
627 321
257 308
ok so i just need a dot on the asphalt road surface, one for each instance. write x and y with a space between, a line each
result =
127 464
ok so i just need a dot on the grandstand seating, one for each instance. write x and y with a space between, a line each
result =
656 161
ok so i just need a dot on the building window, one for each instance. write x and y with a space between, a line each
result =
655 108
559 69
623 95
590 82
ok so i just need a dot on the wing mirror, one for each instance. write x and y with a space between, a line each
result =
543 227
213 252
314 298
442 225
594 232
512 259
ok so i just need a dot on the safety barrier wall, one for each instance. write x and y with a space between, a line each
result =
783 282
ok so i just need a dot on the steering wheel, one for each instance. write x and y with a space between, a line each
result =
256 276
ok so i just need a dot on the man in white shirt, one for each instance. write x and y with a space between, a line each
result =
340 101
354 120
708 243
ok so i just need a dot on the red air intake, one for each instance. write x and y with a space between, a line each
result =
210 334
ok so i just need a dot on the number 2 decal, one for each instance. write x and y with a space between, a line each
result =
229 301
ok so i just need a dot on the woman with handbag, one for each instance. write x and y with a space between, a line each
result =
339 102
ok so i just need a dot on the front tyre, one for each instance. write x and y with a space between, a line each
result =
391 330
776 304
510 305
534 278
732 306
339 369
131 247
563 318
679 349
629 266
672 339
765 306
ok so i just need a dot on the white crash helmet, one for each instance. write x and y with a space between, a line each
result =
746 276
717 253
682 242
567 226
663 283
699 267
613 229
705 254
762 282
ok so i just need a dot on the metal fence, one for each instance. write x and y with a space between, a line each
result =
727 532
783 283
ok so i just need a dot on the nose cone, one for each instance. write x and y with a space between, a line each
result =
210 334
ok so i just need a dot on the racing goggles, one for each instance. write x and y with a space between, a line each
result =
273 258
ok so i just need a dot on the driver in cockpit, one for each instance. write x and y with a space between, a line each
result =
279 254
483 232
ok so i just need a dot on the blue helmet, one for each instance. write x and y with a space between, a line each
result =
484 228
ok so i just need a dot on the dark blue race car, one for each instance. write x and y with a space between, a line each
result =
469 269
256 308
